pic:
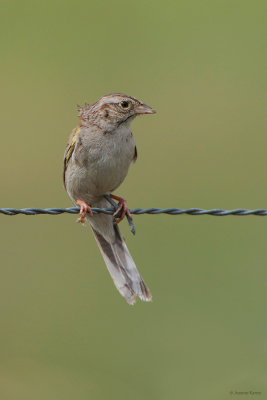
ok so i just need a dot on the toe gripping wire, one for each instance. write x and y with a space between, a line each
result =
115 206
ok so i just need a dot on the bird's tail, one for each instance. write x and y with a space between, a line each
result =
121 266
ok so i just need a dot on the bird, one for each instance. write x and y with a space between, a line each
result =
97 158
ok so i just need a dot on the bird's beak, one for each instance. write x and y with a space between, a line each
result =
144 109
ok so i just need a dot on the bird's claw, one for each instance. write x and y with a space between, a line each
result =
84 209
122 206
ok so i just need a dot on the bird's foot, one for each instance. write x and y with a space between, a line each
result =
122 206
84 209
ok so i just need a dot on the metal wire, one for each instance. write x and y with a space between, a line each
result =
217 212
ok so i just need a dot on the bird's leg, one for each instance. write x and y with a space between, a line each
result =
84 209
121 206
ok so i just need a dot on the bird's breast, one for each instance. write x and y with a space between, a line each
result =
103 160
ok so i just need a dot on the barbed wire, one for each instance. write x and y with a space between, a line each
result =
217 212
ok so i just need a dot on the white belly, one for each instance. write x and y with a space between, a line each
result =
102 165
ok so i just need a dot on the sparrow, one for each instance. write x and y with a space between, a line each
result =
96 162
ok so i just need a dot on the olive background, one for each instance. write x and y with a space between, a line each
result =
66 333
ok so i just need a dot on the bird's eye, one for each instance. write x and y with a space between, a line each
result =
125 104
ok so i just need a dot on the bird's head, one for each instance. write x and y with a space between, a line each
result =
112 111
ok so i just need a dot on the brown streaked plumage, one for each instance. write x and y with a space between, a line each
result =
69 149
96 161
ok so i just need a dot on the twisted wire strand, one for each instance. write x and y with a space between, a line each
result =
217 212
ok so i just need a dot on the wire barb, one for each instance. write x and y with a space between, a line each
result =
217 212
130 221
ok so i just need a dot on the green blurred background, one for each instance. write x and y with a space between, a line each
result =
66 333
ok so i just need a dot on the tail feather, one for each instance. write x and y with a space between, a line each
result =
122 267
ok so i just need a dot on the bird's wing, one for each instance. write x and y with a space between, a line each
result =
69 149
135 154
